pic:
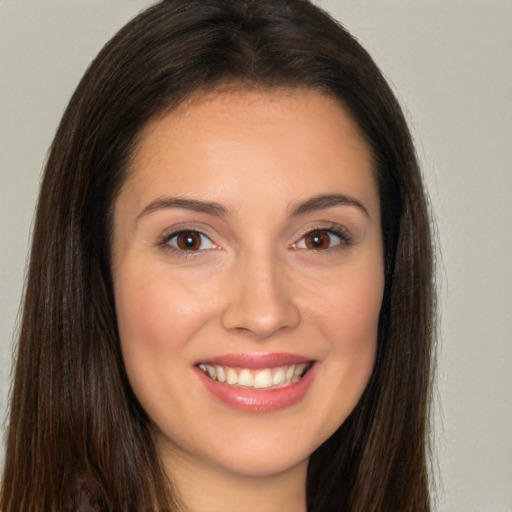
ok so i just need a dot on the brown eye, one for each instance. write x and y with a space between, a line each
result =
190 241
317 240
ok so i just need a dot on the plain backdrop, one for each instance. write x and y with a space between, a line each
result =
451 66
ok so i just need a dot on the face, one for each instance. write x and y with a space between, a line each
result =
248 277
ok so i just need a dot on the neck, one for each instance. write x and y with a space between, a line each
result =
208 488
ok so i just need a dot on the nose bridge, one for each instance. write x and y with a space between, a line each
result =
261 300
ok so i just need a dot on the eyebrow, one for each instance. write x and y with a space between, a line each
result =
320 202
325 201
186 204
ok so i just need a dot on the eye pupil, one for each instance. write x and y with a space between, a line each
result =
188 241
317 240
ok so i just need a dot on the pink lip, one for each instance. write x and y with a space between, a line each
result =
256 361
258 400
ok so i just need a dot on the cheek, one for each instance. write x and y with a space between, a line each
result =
353 335
348 315
157 314
142 315
357 325
348 307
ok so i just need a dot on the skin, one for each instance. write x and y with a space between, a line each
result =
253 286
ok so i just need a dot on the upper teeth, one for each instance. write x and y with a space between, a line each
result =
260 379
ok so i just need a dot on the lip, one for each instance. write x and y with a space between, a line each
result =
256 361
258 400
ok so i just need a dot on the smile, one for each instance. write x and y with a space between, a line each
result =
262 378
257 383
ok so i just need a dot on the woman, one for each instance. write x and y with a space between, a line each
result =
229 300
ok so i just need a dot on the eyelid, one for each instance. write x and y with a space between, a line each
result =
169 234
332 228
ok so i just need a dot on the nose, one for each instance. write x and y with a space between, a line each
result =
260 302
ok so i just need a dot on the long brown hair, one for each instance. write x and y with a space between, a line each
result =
74 420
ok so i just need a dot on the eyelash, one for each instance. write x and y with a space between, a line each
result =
164 242
331 230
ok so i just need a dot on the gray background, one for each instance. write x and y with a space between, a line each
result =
451 65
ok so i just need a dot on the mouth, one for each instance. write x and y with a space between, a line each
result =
257 383
276 377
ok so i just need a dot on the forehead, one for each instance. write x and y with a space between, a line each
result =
236 109
297 140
